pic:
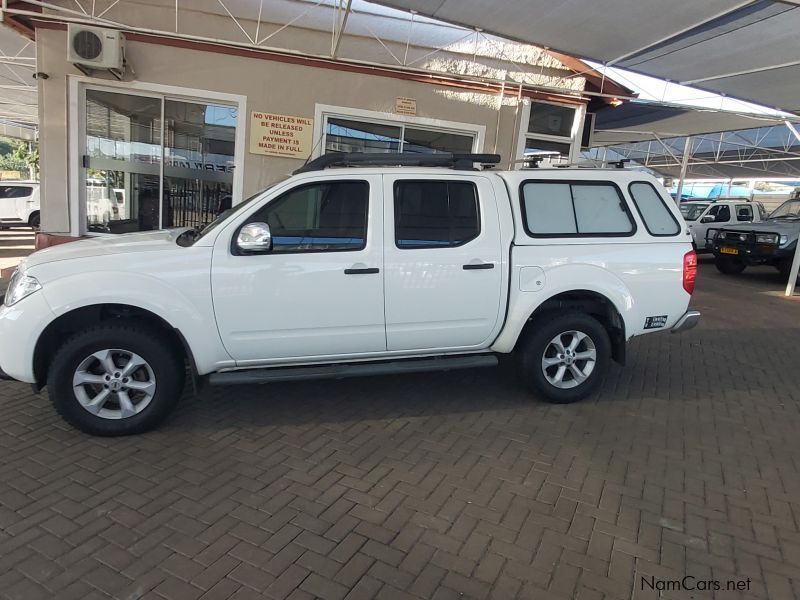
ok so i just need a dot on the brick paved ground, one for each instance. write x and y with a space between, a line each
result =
432 486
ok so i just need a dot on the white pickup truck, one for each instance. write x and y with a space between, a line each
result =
356 270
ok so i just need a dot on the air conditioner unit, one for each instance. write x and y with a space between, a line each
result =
95 47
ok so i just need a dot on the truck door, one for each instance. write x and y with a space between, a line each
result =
319 291
442 262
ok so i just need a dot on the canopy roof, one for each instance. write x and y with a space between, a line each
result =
750 50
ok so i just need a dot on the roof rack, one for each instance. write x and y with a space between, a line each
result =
399 159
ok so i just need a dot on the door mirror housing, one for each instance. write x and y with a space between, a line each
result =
254 238
707 219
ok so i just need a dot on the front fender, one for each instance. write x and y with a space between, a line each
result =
190 313
557 280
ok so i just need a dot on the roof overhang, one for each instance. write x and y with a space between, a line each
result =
749 50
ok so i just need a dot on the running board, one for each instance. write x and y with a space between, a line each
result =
359 369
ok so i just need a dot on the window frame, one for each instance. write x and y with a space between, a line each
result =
17 187
571 182
663 202
573 141
447 182
235 251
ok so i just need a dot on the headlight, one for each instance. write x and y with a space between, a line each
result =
19 287
766 238
784 240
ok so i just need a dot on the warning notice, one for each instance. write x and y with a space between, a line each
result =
281 135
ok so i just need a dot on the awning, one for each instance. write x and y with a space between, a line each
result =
641 121
749 50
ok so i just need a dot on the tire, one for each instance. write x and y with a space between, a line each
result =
99 397
539 347
729 266
35 221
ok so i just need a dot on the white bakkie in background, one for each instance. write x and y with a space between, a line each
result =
349 271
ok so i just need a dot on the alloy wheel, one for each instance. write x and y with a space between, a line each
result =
568 359
114 384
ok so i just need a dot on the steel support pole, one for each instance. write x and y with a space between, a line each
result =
687 150
790 285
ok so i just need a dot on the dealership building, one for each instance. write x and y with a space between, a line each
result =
162 114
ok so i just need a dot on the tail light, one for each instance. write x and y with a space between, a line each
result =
689 271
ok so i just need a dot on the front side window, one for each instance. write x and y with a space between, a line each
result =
15 191
435 214
318 217
654 212
552 209
721 213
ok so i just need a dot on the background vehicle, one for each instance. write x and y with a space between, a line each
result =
19 204
357 271
771 242
704 216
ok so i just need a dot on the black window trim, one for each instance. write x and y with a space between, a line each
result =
235 251
445 181
663 203
571 182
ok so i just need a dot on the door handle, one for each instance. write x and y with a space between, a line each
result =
474 266
364 271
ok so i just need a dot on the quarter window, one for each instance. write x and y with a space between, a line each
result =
435 214
319 217
656 216
553 209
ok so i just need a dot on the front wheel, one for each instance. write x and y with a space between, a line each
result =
116 379
729 266
564 356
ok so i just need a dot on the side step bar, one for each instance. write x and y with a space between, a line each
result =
359 369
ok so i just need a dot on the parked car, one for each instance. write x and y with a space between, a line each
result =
338 272
19 204
702 217
771 242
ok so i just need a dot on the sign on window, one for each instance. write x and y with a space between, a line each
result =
281 135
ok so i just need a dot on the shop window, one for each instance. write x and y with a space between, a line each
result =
435 214
571 209
319 217
546 134
350 135
150 161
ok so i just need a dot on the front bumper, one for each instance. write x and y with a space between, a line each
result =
689 320
20 328
750 252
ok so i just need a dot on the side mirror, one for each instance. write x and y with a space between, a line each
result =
707 219
254 238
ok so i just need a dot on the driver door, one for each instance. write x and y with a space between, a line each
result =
319 292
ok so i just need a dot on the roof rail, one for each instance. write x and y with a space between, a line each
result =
399 159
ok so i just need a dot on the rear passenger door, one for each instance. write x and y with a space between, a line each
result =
442 262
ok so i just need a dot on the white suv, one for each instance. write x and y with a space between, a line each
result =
19 204
338 272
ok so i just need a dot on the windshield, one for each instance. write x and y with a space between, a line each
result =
692 211
788 210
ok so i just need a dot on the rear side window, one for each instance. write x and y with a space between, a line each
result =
435 214
657 217
578 208
15 191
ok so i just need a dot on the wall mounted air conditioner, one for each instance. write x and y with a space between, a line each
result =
95 47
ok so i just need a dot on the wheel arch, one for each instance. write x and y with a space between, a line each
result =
592 302
74 320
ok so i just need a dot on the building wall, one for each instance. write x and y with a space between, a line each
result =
269 86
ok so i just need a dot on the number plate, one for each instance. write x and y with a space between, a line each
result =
726 250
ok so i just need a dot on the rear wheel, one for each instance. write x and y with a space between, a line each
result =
564 356
35 221
728 265
116 379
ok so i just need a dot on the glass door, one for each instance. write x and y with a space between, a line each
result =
121 162
153 162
